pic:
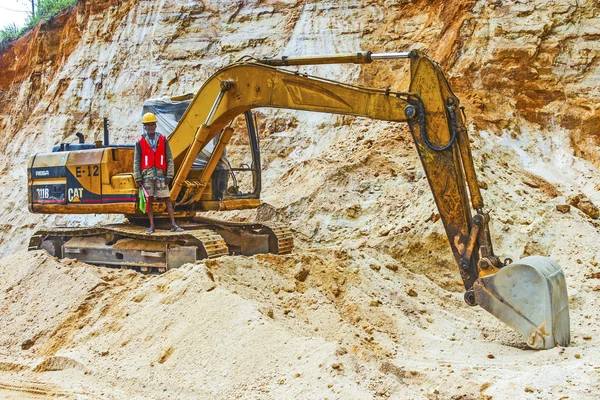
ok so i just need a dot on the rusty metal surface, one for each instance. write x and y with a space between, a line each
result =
228 204
52 247
104 245
441 159
178 256
285 238
213 244
531 297
254 244
120 208
281 239
95 250
209 243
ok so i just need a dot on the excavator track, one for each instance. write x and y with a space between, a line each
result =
281 239
212 244
128 245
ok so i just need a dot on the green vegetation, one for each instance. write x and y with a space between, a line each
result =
9 33
45 9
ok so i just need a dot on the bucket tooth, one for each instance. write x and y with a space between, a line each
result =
531 297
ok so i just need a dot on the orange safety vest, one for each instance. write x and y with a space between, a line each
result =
152 158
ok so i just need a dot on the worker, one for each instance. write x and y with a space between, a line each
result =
153 168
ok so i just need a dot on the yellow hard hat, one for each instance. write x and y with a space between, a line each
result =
148 118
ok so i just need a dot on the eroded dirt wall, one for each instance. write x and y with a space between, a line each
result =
525 73
370 303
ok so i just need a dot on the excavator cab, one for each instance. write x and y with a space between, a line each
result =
237 177
227 181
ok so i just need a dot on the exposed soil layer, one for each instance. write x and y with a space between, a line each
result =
369 305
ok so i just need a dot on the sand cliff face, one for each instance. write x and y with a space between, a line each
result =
525 73
352 189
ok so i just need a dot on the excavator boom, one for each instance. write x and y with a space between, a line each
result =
529 296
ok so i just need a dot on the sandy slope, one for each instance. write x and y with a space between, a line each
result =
380 313
246 327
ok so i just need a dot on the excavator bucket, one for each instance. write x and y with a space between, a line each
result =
531 297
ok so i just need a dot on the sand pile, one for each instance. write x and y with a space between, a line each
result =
370 303
327 323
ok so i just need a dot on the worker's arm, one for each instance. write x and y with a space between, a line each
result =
137 155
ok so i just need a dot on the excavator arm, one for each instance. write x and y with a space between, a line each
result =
244 86
530 296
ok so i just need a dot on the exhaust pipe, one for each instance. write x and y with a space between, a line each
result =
105 132
80 136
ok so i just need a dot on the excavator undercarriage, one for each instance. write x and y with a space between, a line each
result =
128 246
529 295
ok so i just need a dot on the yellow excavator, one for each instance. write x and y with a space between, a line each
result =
95 178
